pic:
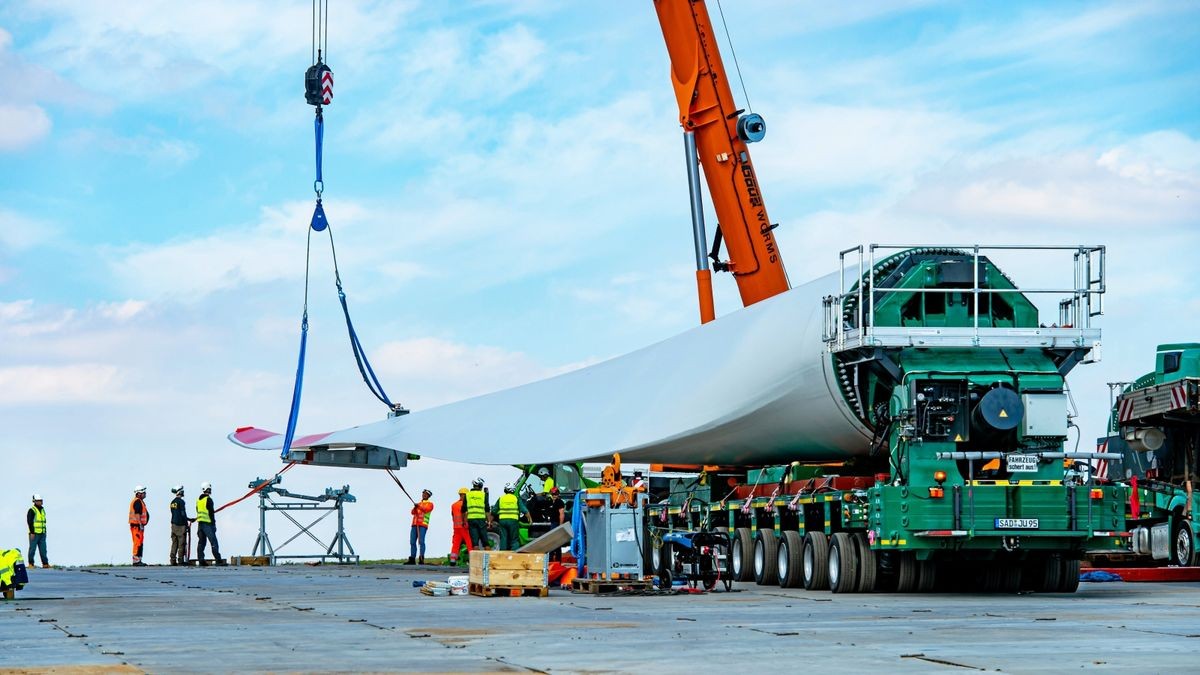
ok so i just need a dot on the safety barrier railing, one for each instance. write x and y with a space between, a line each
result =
851 330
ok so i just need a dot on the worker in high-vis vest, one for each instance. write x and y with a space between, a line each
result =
508 511
35 519
12 574
421 512
139 517
547 480
477 514
462 531
206 526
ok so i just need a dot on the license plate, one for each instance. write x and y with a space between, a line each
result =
1022 463
1016 523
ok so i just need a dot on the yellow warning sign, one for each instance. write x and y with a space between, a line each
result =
1003 413
958 438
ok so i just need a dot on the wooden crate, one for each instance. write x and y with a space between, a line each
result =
508 591
251 560
508 569
606 586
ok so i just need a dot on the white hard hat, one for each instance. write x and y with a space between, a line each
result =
140 488
205 486
177 489
37 498
508 487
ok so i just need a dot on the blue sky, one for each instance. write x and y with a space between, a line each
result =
505 188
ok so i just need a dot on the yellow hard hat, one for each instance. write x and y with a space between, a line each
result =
462 491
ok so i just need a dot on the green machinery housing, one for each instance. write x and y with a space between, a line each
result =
965 482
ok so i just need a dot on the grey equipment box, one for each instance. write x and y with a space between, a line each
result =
615 538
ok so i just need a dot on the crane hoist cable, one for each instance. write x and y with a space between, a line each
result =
318 92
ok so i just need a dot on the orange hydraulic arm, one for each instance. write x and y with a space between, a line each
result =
721 132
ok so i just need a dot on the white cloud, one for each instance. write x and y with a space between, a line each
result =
1113 190
439 371
19 233
847 146
122 311
159 46
152 147
22 125
75 383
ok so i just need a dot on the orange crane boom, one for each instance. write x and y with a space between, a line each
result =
721 133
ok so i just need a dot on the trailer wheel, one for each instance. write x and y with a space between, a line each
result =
1183 553
1010 577
868 565
926 576
766 555
906 572
843 564
790 567
743 555
816 561
1051 579
1069 581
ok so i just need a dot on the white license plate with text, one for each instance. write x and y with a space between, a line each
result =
1016 523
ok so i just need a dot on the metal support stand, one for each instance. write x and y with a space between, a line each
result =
335 550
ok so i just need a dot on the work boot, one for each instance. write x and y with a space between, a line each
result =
410 561
421 560
203 563
451 562
140 564
221 562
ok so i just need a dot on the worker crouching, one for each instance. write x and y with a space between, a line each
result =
139 517
206 519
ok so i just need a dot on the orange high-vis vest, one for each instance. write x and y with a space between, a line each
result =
420 513
457 515
136 518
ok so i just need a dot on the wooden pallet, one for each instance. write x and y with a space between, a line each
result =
508 591
602 586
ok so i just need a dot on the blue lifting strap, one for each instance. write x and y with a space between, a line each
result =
294 413
578 536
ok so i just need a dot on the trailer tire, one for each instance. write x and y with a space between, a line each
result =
1051 579
766 555
988 577
843 564
743 555
666 562
1069 581
1183 544
906 572
790 566
816 561
868 564
1010 577
926 576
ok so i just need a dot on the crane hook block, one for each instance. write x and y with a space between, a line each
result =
318 84
751 128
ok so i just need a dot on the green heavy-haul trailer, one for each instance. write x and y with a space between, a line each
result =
1154 433
953 390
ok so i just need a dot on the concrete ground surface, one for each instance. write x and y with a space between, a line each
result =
371 618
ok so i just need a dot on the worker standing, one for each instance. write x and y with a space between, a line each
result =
547 480
477 514
35 518
508 511
139 517
421 512
206 517
557 511
462 532
180 523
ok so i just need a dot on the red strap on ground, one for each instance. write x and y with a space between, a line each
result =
256 490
